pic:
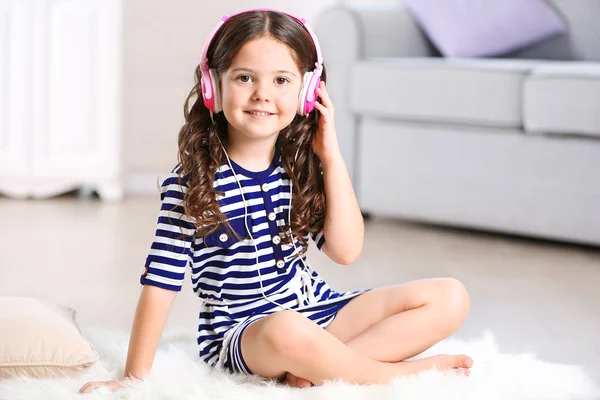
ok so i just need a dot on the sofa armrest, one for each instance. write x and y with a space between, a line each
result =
349 33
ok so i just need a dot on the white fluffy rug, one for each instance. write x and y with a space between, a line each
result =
178 374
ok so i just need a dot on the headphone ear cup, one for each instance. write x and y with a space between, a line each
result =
303 92
207 91
214 79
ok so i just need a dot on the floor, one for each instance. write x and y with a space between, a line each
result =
535 296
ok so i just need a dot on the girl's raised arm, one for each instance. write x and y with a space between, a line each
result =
344 227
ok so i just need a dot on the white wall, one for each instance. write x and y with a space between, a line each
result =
162 45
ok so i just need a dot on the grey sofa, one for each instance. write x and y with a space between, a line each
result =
500 144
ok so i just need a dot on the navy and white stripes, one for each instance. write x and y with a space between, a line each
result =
224 269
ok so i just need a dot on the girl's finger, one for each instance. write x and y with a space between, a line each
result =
326 113
322 110
322 92
86 388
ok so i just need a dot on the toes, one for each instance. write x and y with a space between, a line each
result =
463 361
293 381
303 383
290 380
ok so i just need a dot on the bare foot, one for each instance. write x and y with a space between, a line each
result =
443 362
460 363
294 381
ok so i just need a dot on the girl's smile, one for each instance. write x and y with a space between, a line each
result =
259 114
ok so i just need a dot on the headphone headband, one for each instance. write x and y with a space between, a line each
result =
307 98
204 61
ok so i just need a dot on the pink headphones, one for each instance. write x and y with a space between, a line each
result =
310 82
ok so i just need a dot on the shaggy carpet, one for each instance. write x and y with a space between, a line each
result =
178 374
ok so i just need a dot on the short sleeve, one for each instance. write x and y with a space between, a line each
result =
318 238
170 251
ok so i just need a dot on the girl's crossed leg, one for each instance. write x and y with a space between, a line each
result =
367 340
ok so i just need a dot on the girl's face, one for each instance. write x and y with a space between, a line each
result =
260 90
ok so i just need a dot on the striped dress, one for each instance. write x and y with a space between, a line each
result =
224 269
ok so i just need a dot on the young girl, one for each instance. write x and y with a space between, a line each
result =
260 173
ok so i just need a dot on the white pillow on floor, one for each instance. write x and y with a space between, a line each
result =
41 340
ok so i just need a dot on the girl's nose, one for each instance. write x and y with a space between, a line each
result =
261 93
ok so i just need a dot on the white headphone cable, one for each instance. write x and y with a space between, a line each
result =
262 289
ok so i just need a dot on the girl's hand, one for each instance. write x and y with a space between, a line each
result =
325 143
102 386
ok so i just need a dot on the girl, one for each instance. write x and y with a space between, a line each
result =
259 173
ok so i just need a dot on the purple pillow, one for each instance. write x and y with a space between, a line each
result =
476 28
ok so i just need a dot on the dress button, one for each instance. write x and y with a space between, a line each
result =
271 216
265 187
223 237
276 240
280 264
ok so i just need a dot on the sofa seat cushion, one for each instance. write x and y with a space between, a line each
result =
563 98
463 91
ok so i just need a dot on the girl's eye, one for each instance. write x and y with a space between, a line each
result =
281 81
244 78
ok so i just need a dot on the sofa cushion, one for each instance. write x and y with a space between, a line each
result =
563 98
464 91
475 28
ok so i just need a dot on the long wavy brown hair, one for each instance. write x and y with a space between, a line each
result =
200 152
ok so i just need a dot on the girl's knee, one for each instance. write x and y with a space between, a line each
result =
288 333
455 302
